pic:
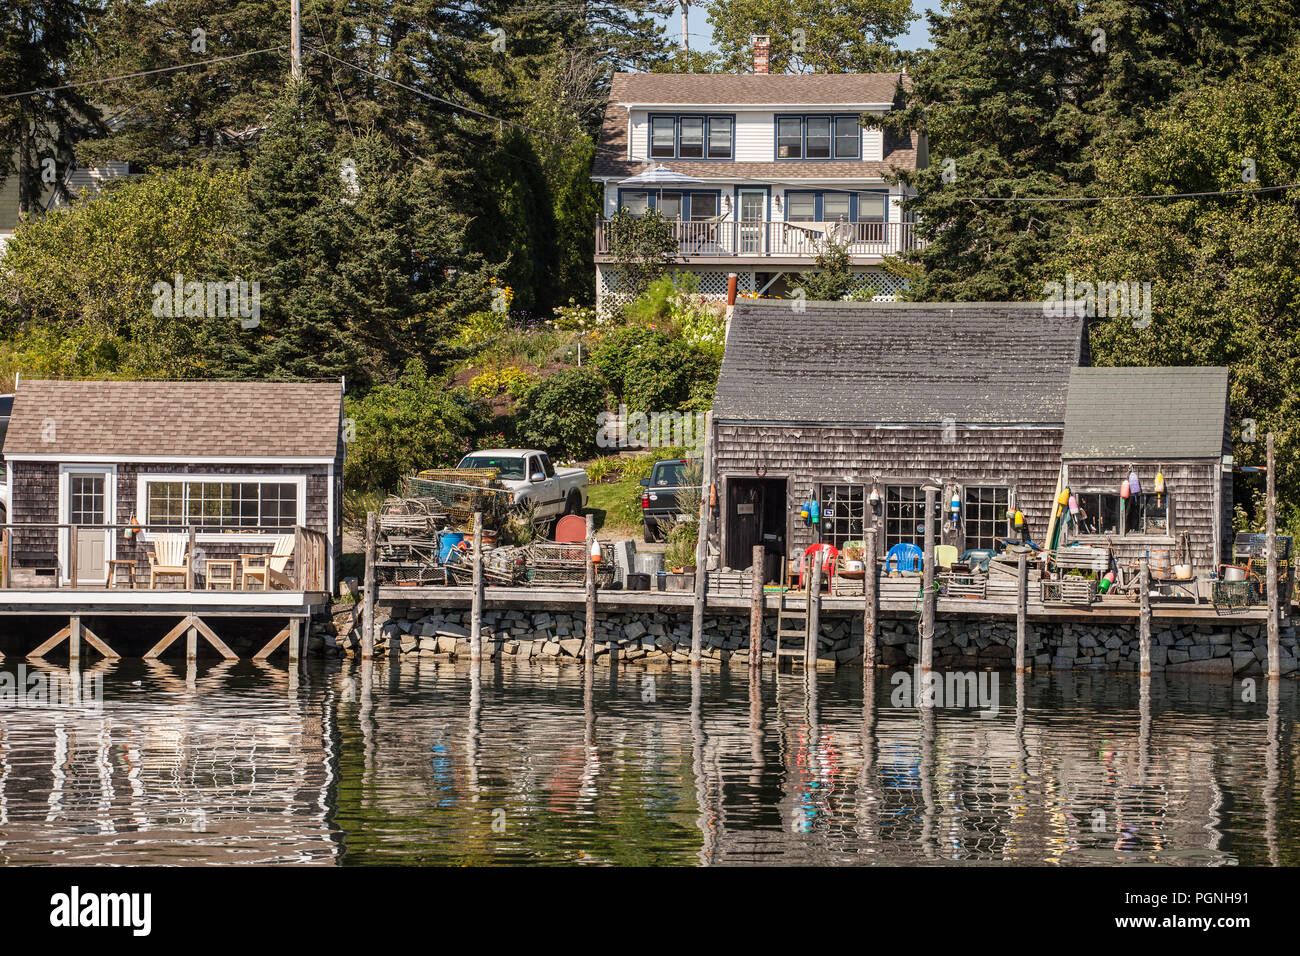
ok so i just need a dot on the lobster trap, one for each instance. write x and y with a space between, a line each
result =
459 492
553 564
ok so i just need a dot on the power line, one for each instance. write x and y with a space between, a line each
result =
1196 195
129 76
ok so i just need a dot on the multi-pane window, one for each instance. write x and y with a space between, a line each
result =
221 505
818 137
690 137
905 515
719 137
1111 514
662 130
836 207
789 138
696 206
801 207
984 515
841 514
871 207
87 499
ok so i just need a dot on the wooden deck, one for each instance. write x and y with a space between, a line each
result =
109 602
848 601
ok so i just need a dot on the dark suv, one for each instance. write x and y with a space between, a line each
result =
659 507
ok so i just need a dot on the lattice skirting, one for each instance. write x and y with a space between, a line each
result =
713 284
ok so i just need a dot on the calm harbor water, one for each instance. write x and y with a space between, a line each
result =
422 763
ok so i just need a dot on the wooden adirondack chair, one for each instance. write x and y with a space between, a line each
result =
270 568
170 557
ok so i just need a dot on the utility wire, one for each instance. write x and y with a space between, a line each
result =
129 76
1196 195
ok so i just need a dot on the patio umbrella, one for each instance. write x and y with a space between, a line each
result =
658 177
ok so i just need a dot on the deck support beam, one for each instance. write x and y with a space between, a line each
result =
192 626
73 633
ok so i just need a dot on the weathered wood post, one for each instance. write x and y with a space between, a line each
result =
189 564
871 607
1144 616
295 639
814 612
589 641
476 602
4 558
72 556
1022 601
702 545
74 638
1270 582
368 589
927 585
756 609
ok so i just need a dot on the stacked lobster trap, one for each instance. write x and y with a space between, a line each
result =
425 537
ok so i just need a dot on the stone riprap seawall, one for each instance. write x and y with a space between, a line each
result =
661 637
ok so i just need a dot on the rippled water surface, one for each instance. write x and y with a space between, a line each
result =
422 763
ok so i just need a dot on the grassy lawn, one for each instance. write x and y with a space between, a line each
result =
616 506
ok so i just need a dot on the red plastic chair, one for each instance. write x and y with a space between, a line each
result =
830 556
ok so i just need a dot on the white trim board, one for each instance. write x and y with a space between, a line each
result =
165 459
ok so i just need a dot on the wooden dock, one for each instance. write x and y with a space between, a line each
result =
892 603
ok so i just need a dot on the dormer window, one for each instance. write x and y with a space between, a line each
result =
690 137
818 137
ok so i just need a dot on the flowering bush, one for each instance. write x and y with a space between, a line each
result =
513 381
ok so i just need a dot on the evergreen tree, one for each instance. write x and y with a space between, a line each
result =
811 36
41 44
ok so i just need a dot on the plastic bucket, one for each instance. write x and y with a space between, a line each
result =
446 542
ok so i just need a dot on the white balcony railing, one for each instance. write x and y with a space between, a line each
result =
783 239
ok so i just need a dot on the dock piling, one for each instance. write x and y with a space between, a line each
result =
814 613
702 544
476 605
1144 616
368 594
871 606
74 637
927 586
756 609
1022 607
589 642
1270 582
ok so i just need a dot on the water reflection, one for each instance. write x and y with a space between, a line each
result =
417 761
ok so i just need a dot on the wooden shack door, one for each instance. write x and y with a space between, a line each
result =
87 505
755 515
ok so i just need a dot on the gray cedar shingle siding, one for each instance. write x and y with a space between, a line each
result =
1190 485
1024 459
905 363
1146 413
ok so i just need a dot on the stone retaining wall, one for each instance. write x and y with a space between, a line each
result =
1218 647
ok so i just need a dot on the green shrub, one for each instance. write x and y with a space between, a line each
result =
650 370
559 414
417 422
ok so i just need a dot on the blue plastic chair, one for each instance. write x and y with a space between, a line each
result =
906 557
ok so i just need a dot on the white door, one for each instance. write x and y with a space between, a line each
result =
753 204
87 504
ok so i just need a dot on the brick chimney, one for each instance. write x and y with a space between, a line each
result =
762 52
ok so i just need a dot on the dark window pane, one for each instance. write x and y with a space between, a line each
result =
788 138
720 137
661 136
847 137
818 134
690 142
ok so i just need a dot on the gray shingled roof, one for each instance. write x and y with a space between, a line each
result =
897 362
757 89
1146 413
129 419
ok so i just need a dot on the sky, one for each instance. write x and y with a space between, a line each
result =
701 35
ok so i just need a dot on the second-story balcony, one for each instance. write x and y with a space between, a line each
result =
781 242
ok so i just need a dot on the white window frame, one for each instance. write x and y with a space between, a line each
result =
144 479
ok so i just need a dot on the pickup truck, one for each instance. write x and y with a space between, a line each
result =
531 476
659 508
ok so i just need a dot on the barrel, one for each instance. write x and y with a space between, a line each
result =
649 562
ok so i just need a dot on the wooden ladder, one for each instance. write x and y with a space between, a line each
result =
791 625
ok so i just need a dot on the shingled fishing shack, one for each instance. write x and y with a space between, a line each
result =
1147 458
832 419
